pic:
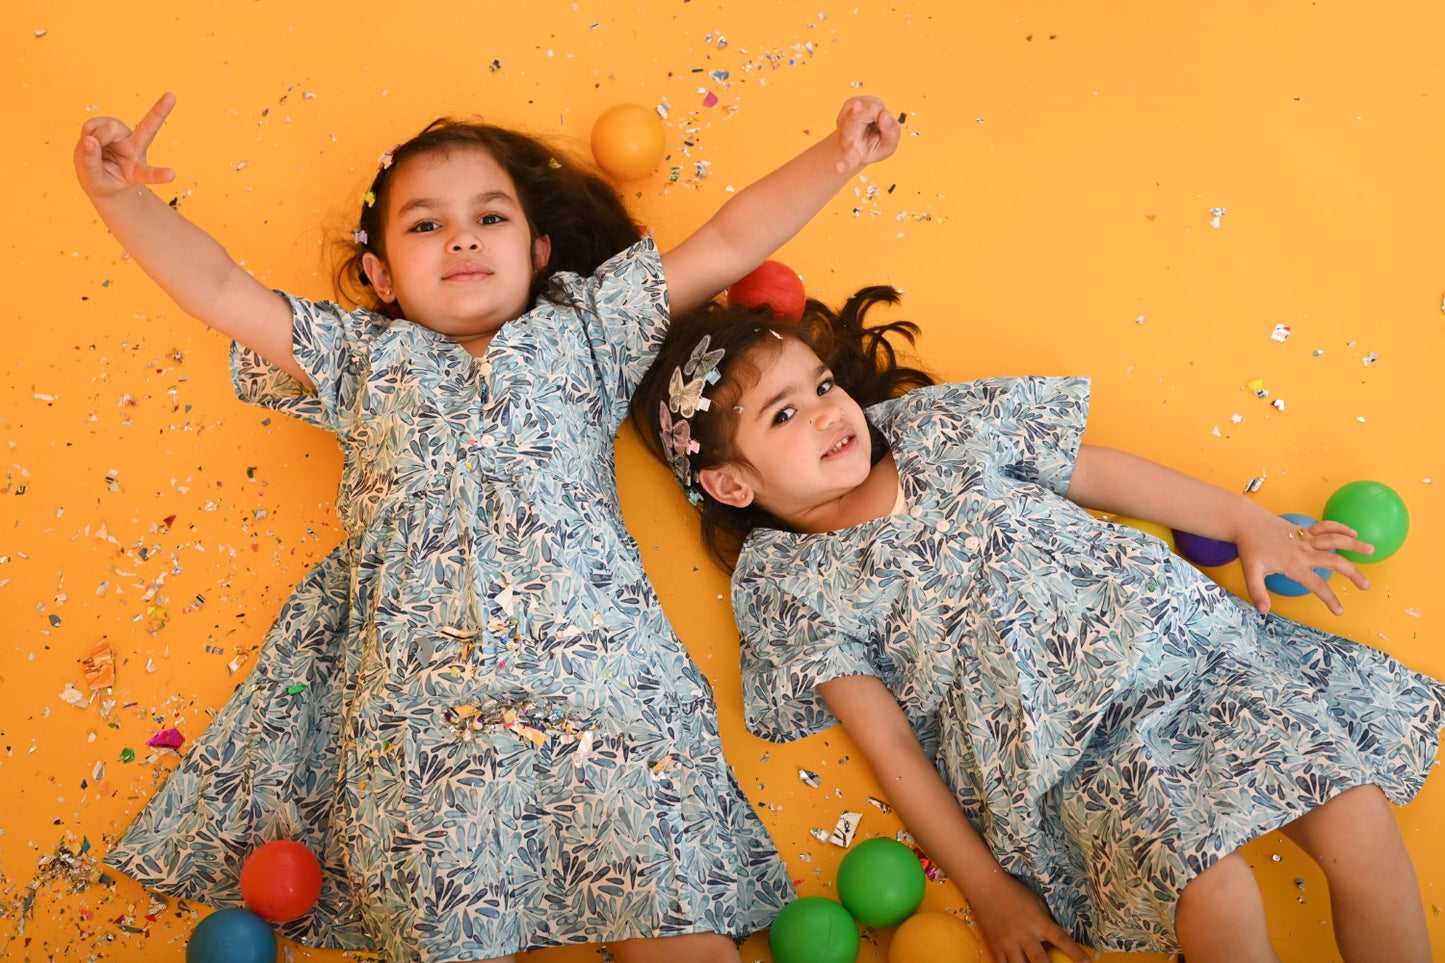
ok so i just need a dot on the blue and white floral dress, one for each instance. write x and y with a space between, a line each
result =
1111 720
502 744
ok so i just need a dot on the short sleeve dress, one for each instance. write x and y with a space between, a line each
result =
474 710
1112 721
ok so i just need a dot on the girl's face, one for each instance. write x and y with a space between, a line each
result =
460 256
804 440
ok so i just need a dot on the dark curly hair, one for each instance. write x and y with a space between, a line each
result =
561 196
863 361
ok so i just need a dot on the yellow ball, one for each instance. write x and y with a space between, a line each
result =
627 141
929 935
1161 532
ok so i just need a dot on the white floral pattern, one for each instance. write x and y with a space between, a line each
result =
1112 721
486 566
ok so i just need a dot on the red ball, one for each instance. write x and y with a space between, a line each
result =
281 881
772 285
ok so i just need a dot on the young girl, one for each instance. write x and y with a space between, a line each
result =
1058 706
500 743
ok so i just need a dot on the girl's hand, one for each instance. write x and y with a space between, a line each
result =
867 132
1282 546
111 157
1017 926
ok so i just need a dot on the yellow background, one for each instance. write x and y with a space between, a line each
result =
1048 211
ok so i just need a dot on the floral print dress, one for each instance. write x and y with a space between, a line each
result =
474 710
1111 720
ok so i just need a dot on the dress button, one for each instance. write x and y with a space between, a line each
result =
484 368
488 441
916 511
942 525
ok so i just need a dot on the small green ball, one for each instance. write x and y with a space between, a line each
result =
813 929
881 882
1376 512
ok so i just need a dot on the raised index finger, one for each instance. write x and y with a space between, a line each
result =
150 124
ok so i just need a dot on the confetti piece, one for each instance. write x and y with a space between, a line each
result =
166 739
296 689
880 804
73 696
1280 333
1370 359
1216 214
845 829
127 755
99 667
810 779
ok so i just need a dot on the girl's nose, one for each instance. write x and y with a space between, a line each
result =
825 415
465 238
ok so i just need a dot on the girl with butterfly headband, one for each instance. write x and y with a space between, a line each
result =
1076 724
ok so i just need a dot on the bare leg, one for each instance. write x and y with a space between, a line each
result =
694 948
1378 912
1220 918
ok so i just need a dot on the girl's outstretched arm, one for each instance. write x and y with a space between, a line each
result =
111 163
759 219
1115 481
1015 922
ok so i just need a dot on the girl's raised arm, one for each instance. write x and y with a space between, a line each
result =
759 219
1116 481
1014 920
111 164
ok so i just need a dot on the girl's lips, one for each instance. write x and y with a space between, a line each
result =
466 272
841 446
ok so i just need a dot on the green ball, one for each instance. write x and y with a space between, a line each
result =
813 929
1373 510
881 882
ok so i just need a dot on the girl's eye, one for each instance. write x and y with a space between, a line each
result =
785 414
422 227
825 386
491 219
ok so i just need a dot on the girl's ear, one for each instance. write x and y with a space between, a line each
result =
379 276
541 252
727 485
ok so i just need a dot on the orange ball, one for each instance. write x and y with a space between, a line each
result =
771 284
627 141
281 881
930 935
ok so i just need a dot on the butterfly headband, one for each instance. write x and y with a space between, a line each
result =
684 399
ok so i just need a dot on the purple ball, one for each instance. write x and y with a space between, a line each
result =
1207 552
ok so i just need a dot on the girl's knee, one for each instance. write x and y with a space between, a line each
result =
1356 816
1227 875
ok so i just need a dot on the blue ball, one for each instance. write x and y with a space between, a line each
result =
1288 587
232 936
